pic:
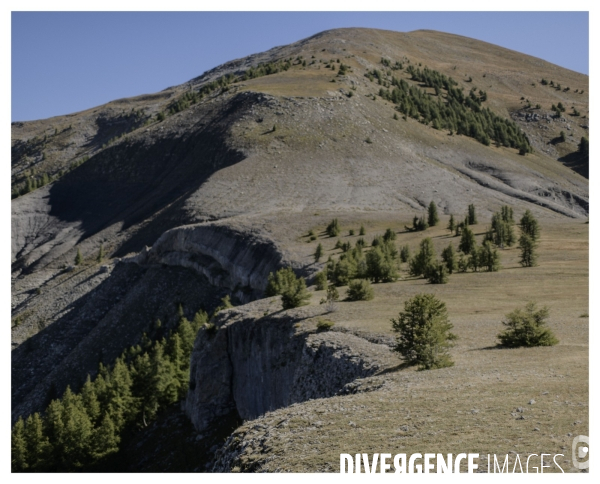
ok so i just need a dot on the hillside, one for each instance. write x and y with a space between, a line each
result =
176 199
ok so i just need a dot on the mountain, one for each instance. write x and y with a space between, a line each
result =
176 199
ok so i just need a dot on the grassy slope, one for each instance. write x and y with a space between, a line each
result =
471 406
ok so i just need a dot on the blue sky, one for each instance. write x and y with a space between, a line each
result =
63 62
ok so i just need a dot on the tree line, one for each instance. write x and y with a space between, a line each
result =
80 429
450 108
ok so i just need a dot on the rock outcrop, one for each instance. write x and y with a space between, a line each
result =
254 362
234 259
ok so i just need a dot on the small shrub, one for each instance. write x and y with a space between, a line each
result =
362 230
526 327
360 290
78 257
351 232
324 324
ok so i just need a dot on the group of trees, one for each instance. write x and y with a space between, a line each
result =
450 108
82 428
379 264
424 337
382 261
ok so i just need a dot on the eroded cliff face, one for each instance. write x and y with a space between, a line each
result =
258 360
229 258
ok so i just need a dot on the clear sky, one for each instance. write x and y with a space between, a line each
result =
63 62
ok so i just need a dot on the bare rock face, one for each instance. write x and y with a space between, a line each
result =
254 363
237 260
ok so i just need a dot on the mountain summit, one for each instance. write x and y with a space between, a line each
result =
126 213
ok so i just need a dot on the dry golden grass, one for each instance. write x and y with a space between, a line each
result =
470 407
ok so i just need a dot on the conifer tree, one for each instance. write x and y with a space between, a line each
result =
527 327
38 447
437 273
450 258
432 215
90 400
164 376
488 257
78 257
100 256
472 216
405 253
200 319
105 439
333 229
389 235
528 251
321 280
529 225
423 331
451 224
362 230
423 259
19 457
467 241
295 293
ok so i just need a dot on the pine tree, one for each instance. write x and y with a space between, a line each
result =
100 256
389 235
450 258
78 257
467 241
333 229
529 225
200 319
526 327
176 355
164 376
19 458
432 218
488 257
105 440
75 439
451 224
295 294
121 406
405 253
423 259
528 251
39 449
437 273
362 230
472 216
90 400
318 253
423 332
321 280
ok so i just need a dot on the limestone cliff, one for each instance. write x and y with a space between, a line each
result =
258 360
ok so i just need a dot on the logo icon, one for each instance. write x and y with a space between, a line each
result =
581 452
